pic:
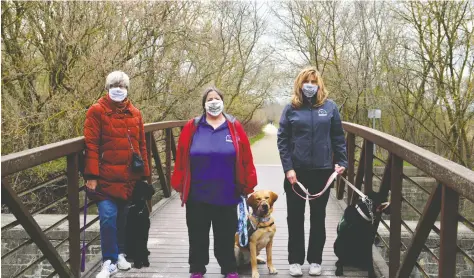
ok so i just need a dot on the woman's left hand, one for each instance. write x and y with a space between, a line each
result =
339 169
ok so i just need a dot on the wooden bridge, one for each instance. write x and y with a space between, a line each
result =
168 241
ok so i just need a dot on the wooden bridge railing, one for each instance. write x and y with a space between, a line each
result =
16 200
453 182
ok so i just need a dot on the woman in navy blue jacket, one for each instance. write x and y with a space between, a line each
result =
310 134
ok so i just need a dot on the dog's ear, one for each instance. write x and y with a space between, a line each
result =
251 201
273 197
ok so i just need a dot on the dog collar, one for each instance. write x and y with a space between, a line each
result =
261 219
362 213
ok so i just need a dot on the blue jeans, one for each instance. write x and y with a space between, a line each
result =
113 219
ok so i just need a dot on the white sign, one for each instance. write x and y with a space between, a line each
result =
375 113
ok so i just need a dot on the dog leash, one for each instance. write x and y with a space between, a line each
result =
366 201
310 196
242 216
355 188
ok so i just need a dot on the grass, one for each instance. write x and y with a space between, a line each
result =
256 137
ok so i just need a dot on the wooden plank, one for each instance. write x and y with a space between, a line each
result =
73 214
15 205
449 232
423 228
396 215
163 125
159 167
16 162
368 166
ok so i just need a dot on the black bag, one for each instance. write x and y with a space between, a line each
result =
137 162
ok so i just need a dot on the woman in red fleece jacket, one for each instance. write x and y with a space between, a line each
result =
214 166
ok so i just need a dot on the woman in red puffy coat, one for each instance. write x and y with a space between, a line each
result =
113 133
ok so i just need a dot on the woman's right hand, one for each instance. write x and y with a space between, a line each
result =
91 184
291 176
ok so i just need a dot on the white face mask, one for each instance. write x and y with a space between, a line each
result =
214 107
117 94
309 90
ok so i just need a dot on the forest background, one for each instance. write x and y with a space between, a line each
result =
412 60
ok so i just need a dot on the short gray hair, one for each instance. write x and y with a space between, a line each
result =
117 78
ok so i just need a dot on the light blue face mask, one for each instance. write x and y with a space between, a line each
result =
309 90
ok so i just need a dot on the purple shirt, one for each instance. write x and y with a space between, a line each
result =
212 157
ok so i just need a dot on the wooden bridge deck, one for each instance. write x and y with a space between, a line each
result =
168 242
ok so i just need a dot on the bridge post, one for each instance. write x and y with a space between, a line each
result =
353 197
168 155
449 232
369 166
395 215
350 168
159 167
148 137
73 214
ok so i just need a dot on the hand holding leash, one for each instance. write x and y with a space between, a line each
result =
91 184
339 169
291 176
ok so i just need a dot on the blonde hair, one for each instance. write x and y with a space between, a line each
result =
303 76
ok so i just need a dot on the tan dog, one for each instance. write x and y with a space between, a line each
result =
262 228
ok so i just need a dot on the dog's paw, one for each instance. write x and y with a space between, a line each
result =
146 263
272 270
339 272
138 265
255 275
261 261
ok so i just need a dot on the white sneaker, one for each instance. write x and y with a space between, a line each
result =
108 269
315 270
122 263
295 270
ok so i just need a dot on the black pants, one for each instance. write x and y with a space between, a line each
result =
199 217
314 180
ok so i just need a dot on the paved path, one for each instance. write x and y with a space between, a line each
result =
168 241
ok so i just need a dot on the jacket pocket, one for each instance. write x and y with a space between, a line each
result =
300 155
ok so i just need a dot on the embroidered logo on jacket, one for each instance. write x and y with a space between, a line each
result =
228 138
322 113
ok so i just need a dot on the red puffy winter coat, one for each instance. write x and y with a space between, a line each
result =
246 176
108 152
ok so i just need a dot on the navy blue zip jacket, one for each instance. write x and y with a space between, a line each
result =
309 136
